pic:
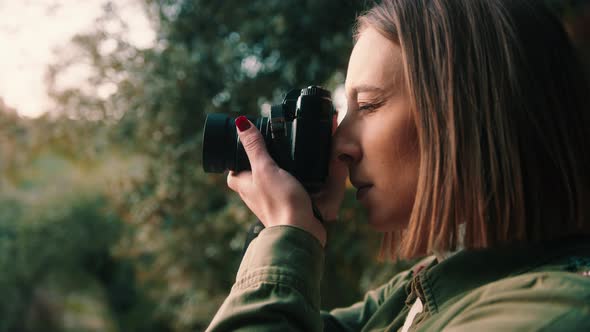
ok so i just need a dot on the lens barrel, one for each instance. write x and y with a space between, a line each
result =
219 143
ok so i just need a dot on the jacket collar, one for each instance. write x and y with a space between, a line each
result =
469 269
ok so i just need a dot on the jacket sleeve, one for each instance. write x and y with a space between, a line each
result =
277 288
277 285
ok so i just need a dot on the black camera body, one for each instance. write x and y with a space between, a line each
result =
298 135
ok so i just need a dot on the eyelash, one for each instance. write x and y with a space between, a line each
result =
369 107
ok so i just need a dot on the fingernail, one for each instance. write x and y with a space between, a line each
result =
242 123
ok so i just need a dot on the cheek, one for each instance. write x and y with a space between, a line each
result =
402 162
396 164
392 143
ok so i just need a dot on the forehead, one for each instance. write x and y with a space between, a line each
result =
375 61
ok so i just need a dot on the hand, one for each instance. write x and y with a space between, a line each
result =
329 199
270 192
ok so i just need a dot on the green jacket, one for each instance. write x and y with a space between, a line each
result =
532 288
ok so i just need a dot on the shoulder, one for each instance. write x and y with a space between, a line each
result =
551 288
531 301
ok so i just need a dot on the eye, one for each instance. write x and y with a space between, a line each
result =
369 107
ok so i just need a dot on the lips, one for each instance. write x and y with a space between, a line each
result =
362 188
362 192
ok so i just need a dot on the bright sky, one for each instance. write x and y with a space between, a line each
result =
31 29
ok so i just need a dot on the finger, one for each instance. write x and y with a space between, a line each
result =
334 123
253 144
239 182
329 199
338 171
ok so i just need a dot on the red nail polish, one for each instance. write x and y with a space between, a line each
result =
242 123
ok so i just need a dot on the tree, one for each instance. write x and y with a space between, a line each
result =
184 229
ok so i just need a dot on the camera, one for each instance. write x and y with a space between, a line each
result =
297 134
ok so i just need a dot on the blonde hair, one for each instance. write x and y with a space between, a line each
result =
500 105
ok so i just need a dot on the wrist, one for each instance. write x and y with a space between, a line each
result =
308 223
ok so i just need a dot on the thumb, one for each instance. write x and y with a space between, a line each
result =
253 143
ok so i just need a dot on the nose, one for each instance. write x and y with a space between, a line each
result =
346 144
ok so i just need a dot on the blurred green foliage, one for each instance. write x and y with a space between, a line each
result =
107 221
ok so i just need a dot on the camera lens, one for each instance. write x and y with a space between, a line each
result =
219 143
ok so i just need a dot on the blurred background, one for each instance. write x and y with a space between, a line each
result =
107 221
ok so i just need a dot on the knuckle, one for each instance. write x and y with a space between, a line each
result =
231 181
253 142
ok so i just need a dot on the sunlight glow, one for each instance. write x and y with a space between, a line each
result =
30 31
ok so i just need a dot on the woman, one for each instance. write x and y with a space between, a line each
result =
467 137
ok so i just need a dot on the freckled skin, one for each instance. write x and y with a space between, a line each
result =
377 137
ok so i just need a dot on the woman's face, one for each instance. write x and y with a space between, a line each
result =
377 137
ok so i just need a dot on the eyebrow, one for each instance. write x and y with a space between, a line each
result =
365 88
355 90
